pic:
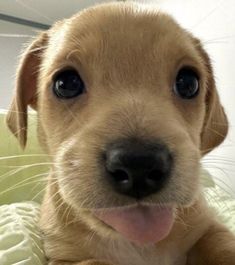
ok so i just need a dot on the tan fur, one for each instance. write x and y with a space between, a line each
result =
128 57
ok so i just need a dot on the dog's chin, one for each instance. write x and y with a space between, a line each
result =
140 224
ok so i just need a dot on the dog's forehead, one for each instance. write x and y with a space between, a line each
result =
121 36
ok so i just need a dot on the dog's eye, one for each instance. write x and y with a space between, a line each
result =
186 84
68 84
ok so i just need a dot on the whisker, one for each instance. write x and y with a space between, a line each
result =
23 156
21 168
3 35
21 184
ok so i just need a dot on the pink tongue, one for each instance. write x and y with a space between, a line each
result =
140 224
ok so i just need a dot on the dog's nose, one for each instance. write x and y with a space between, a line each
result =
138 169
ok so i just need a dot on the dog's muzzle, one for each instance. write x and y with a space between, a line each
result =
137 169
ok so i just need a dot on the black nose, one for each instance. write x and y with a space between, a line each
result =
138 169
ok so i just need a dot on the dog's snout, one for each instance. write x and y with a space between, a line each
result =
137 169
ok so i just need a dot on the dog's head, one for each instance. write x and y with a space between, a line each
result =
127 105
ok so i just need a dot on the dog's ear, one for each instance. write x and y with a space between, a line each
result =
215 126
25 93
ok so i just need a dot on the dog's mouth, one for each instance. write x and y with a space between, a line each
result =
140 224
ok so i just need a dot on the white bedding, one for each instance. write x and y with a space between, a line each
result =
20 239
224 204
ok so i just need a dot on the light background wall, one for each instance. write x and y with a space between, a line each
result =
10 48
213 21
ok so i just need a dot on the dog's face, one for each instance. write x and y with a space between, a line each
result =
126 106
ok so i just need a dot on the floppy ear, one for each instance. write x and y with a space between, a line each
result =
215 126
26 88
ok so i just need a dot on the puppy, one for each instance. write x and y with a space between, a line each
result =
127 106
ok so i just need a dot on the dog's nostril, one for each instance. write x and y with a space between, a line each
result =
122 180
120 175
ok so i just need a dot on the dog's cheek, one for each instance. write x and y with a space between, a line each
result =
78 174
66 169
187 175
